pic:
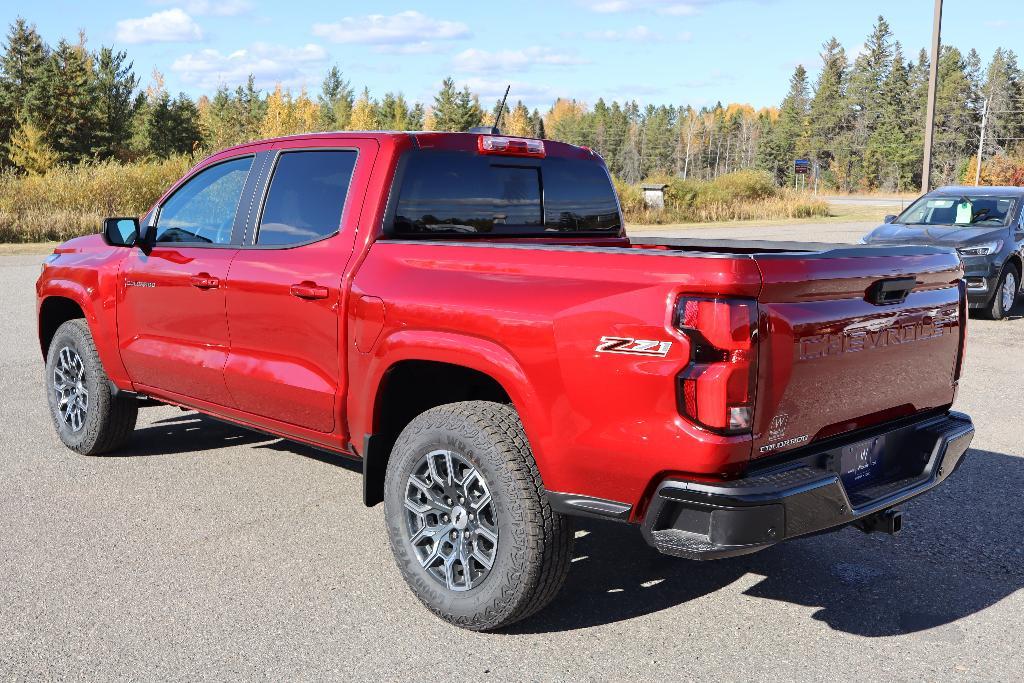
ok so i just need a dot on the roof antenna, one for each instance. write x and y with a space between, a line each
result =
501 110
493 130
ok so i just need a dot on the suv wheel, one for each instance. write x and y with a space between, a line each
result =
88 416
468 520
1005 295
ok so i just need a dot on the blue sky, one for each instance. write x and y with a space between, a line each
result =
662 51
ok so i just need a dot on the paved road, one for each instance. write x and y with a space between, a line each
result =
868 200
206 551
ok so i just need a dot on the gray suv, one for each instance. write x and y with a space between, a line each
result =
986 227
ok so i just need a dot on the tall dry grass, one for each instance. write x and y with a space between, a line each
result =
68 201
743 195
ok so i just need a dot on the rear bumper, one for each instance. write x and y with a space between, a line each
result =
704 521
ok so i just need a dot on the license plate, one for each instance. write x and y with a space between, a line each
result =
861 462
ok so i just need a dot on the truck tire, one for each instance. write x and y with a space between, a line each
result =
468 519
1005 294
89 416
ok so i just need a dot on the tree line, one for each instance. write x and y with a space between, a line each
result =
860 120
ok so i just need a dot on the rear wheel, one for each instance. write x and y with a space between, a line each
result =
89 416
468 520
1005 295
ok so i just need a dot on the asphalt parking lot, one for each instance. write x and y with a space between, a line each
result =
207 551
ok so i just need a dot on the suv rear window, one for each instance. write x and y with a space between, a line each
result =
448 193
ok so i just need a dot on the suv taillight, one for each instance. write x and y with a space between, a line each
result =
716 390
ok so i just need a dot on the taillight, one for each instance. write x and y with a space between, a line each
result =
716 390
516 147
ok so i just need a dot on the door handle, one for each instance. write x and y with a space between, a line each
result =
309 290
205 281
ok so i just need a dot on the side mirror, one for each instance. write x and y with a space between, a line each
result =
121 232
890 218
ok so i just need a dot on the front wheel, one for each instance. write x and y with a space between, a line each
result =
469 523
89 416
1005 295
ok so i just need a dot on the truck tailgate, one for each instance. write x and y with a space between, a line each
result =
852 338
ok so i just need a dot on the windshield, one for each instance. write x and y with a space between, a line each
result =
973 209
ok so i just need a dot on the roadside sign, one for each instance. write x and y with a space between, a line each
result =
802 166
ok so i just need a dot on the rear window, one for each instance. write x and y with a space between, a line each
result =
460 194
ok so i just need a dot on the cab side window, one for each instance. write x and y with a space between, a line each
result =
202 211
306 197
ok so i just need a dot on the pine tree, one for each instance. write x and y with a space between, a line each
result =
890 157
336 100
115 84
185 135
629 156
1002 89
789 137
20 67
829 112
538 125
445 112
221 120
62 102
468 112
869 72
955 124
252 107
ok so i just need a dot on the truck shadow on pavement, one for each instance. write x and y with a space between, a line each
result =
191 432
958 554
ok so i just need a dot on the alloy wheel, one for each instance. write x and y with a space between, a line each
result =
1009 291
69 388
450 520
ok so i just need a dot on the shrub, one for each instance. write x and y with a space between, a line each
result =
741 195
68 201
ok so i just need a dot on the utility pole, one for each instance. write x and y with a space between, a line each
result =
981 143
933 77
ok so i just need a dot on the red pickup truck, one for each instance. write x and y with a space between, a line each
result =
464 314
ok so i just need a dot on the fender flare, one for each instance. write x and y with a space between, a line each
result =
88 300
476 353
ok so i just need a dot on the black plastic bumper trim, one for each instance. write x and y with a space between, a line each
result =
585 506
704 521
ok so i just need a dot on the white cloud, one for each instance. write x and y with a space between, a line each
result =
637 33
169 26
269 65
671 7
395 32
482 61
218 8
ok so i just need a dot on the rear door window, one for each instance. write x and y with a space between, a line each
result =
306 197
456 193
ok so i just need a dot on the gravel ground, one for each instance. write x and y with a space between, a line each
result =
208 552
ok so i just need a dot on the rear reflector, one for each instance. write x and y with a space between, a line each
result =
716 390
515 147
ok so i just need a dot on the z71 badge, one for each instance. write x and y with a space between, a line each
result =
635 347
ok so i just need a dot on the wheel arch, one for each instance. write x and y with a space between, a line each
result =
62 300
459 368
54 311
1016 262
